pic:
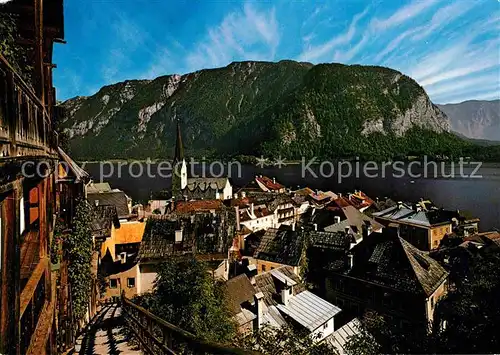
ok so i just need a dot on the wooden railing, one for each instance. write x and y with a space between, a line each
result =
25 126
157 336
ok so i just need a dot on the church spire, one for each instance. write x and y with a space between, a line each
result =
179 148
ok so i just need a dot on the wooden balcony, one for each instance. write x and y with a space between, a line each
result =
26 129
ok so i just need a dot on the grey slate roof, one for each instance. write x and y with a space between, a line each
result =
355 220
114 198
238 291
206 183
309 310
102 220
406 214
391 261
281 246
271 287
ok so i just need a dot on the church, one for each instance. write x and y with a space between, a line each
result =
195 188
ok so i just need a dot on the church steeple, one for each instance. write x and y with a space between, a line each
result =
179 173
179 148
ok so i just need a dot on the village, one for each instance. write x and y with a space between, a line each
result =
313 259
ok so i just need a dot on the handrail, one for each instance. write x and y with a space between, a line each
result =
143 328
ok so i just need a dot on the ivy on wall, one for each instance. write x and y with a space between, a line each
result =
18 56
78 246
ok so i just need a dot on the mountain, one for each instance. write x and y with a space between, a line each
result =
252 108
475 119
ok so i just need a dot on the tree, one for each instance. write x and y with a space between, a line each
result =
471 311
285 341
187 296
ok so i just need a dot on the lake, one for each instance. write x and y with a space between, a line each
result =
478 194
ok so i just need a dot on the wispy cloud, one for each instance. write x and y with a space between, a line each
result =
239 35
313 53
402 15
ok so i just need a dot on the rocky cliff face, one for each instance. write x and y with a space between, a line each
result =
251 108
475 119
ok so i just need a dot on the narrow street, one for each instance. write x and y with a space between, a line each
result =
106 335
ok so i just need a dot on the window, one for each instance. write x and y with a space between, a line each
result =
113 283
131 282
325 325
432 302
263 268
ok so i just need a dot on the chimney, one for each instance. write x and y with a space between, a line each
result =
293 226
243 194
350 261
259 305
96 202
336 219
340 195
274 180
400 205
315 226
237 211
123 257
367 230
347 230
235 196
178 236
251 209
286 294
251 272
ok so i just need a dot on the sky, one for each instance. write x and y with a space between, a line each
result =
451 47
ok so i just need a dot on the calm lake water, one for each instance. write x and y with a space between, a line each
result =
479 196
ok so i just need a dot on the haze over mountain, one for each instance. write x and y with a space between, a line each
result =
475 119
291 108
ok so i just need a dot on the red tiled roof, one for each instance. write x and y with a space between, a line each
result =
199 205
360 200
268 183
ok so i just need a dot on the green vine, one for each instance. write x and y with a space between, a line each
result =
55 246
78 246
18 56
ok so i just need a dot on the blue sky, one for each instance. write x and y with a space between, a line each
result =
451 47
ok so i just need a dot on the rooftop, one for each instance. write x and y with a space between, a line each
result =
197 206
239 290
309 310
391 261
113 198
206 183
268 184
271 286
403 213
281 246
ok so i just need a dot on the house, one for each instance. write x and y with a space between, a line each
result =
242 302
267 184
280 247
103 220
389 275
201 229
286 301
118 199
420 225
96 187
354 222
29 164
208 189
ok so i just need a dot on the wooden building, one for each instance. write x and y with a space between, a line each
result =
28 165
